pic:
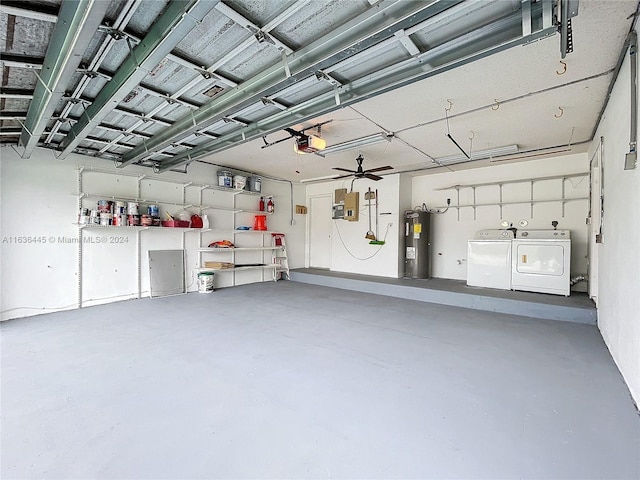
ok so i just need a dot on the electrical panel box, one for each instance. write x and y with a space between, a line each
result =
338 212
352 206
339 195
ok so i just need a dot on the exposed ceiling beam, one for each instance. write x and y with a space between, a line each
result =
285 14
36 63
121 21
123 111
77 23
375 25
382 81
10 131
179 18
8 115
21 61
10 61
28 13
254 29
16 94
189 63
210 71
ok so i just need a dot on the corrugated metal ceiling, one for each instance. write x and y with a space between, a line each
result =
210 91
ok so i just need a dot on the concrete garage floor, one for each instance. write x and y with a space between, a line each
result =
288 380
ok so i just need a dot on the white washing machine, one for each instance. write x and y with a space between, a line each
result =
489 259
542 261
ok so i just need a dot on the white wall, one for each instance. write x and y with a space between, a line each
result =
350 250
618 256
452 229
40 259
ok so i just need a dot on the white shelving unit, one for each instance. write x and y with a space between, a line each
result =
563 199
267 264
238 249
195 189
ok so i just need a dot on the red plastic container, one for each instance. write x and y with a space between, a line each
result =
260 222
196 221
176 223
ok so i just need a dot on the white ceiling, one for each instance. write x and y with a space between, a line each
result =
523 79
521 95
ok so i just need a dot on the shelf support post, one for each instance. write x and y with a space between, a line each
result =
563 195
474 202
80 195
531 197
139 259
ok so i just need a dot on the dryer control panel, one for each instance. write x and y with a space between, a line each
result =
544 234
491 234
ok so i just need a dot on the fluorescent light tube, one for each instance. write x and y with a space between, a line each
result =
317 179
480 155
358 142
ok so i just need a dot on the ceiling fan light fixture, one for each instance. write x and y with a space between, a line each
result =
359 142
309 144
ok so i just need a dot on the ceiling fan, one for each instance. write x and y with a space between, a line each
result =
361 173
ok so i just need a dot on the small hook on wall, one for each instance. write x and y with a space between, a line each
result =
561 112
496 106
564 68
448 109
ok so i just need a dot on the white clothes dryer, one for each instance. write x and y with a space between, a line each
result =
541 261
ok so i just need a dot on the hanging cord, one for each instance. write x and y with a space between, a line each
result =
446 115
383 152
349 251
424 208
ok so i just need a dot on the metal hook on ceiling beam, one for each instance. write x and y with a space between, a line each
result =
561 112
564 68
497 105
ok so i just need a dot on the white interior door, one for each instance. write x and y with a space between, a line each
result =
319 234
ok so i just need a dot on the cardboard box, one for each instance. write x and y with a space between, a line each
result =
352 206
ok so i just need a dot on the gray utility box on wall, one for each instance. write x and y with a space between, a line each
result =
416 244
338 212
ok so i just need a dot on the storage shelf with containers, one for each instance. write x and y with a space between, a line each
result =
255 250
136 203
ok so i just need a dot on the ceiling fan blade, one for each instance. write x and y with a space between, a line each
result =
379 169
343 169
341 176
370 176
